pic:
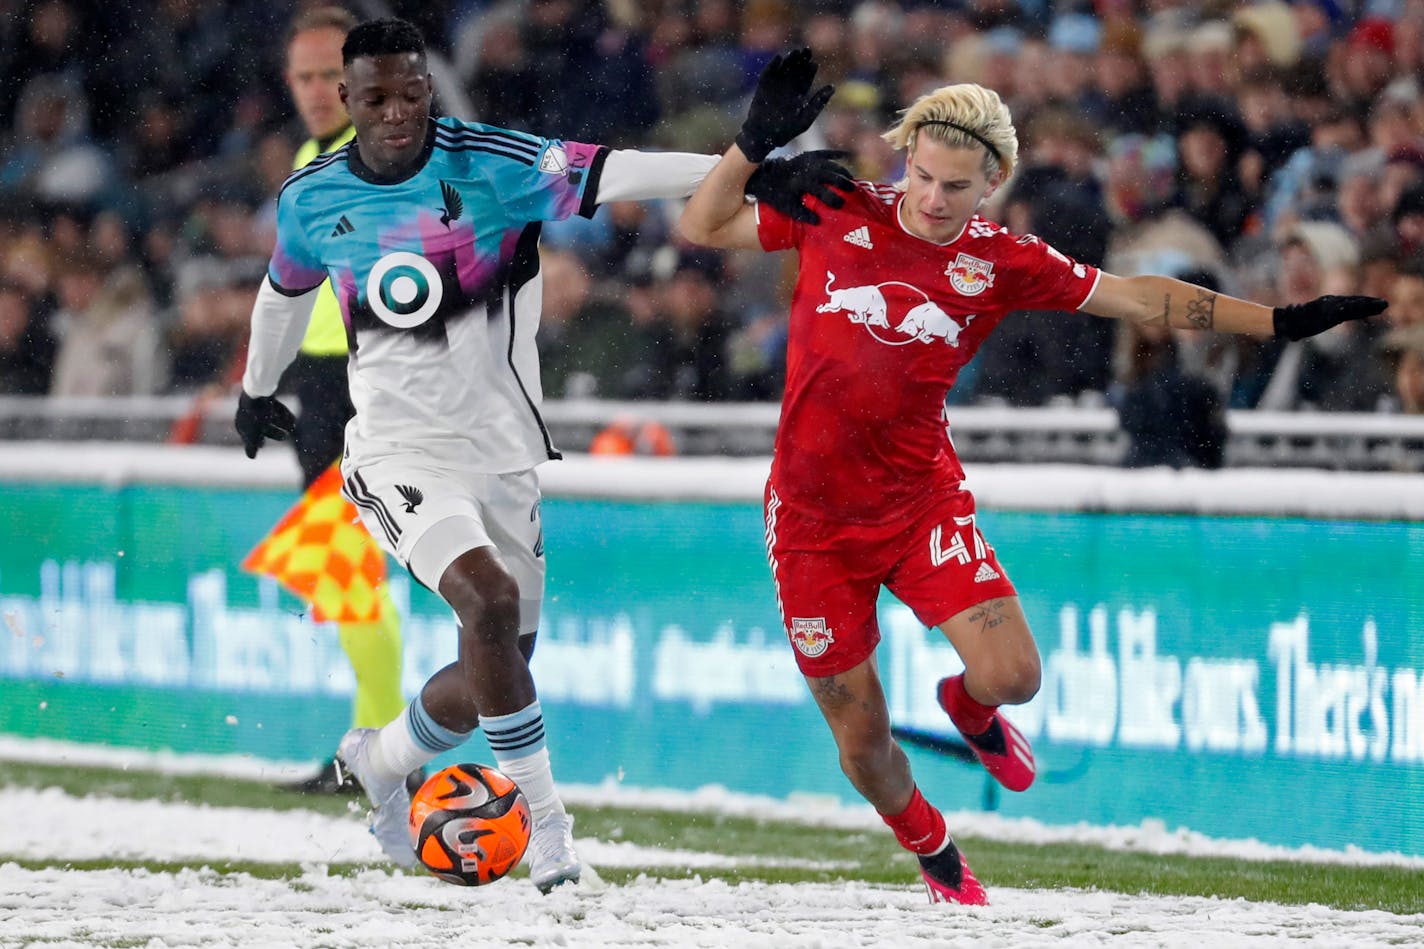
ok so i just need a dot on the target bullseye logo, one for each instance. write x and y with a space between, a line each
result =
404 289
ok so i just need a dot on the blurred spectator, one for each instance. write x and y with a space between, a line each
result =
1267 37
1073 39
109 340
208 342
1165 48
1209 140
1211 59
1337 370
688 358
49 155
1408 219
584 342
1406 296
26 347
1366 61
1151 236
1273 133
504 90
1128 104
1170 416
1404 360
1034 357
161 143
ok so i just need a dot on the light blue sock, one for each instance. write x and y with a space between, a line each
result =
413 739
517 740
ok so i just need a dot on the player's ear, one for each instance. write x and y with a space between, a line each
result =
995 180
341 91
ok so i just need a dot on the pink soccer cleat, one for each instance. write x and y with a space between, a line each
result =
948 878
1002 748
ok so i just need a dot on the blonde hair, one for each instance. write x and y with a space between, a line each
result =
971 106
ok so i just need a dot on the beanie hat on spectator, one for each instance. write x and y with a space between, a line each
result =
1211 36
1373 33
1329 243
1274 26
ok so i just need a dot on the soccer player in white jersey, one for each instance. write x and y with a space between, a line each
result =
428 230
896 288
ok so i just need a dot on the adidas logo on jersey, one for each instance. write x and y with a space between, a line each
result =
860 237
343 226
985 573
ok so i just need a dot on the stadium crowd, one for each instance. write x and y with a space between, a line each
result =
1272 150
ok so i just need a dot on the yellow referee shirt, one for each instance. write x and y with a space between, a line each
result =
326 333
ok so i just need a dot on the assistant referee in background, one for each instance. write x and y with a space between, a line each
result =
318 375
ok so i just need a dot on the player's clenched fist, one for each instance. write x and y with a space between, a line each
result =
783 105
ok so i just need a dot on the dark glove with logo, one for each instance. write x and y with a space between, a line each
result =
1300 320
783 182
261 418
783 105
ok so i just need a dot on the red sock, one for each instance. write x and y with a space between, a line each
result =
919 827
971 717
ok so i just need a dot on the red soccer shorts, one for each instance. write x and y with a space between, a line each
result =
828 575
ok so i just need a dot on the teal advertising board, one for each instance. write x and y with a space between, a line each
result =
1238 676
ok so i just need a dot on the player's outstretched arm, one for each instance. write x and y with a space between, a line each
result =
1165 301
783 106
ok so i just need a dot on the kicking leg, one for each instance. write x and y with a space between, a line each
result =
1001 667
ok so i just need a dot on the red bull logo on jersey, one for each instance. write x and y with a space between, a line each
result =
810 636
970 276
869 306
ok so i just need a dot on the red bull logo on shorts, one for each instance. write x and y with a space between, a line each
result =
810 636
970 275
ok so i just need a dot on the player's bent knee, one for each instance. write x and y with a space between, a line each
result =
1018 681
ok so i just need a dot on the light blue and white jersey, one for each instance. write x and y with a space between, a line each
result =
437 274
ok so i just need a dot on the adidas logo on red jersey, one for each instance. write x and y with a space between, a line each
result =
860 237
985 573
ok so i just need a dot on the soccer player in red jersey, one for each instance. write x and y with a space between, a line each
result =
897 287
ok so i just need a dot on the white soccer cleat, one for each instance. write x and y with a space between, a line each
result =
389 797
552 859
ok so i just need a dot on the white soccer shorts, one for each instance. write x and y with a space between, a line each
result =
426 516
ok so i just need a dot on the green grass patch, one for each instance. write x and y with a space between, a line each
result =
866 856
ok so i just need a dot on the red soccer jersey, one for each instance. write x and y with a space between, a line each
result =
881 323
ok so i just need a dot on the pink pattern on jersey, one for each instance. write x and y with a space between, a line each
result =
881 324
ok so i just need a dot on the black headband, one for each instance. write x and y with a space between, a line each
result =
967 131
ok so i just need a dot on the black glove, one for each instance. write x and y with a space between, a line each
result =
261 418
1300 320
783 182
783 105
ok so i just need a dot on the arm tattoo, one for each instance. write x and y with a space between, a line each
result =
831 693
1201 312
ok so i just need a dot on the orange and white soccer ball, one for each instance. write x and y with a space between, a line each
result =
469 824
